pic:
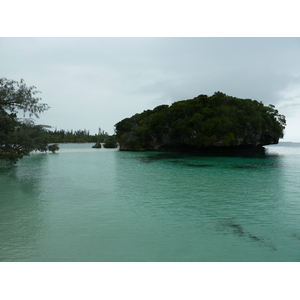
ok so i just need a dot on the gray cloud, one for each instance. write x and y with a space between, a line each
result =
96 82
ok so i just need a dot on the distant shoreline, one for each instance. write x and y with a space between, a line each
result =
282 142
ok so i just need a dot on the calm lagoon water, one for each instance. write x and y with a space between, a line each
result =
85 204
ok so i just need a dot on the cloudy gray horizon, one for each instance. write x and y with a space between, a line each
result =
97 82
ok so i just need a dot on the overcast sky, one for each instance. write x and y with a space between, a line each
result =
97 82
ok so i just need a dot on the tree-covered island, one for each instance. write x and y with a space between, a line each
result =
218 123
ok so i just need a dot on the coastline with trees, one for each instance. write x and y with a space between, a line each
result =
209 124
19 136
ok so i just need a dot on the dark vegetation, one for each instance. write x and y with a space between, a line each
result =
53 148
19 136
214 123
82 136
76 136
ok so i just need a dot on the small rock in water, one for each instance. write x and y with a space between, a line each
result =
97 145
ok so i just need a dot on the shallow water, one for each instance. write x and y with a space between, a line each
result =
85 204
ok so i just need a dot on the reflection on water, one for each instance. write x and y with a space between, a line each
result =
85 204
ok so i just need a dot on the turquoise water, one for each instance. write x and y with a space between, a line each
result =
85 204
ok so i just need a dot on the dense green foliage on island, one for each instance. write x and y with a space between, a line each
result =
216 121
